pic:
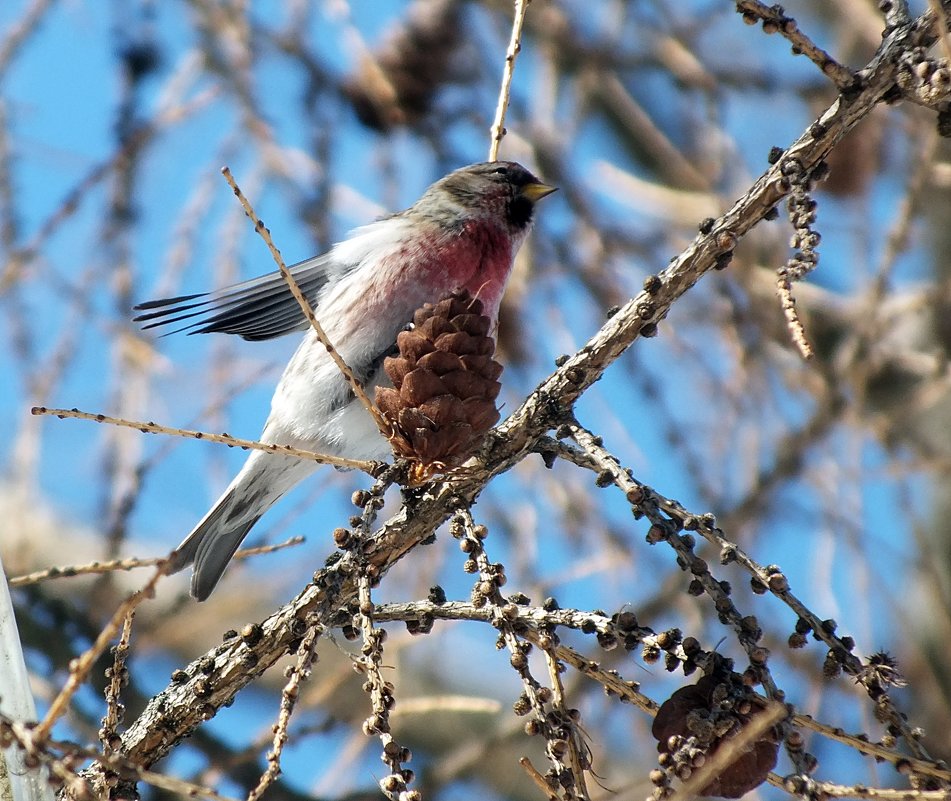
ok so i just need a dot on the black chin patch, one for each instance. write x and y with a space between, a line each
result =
520 212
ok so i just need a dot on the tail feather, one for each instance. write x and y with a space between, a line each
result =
212 545
213 542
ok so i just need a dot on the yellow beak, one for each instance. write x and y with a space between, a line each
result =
535 192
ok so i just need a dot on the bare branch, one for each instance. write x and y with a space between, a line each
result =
505 91
223 439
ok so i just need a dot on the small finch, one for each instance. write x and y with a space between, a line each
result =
462 234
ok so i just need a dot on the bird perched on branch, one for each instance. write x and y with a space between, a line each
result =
462 234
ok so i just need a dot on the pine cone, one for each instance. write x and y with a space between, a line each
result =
445 383
398 85
699 711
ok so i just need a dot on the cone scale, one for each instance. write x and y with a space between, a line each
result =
445 383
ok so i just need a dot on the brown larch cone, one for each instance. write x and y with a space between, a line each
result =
445 383
717 703
399 84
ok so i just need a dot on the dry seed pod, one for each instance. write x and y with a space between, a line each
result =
694 711
445 383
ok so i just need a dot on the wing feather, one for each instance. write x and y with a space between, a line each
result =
261 308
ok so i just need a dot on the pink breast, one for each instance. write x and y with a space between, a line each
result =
478 259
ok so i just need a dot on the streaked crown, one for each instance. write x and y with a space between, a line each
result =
503 190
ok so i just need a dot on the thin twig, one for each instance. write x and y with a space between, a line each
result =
79 668
505 90
802 215
57 756
224 439
576 748
306 654
258 550
534 774
567 780
381 692
114 565
109 733
382 699
530 620
90 569
302 301
18 32
793 321
864 746
776 21
830 790
528 617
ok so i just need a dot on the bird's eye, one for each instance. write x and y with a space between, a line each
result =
501 170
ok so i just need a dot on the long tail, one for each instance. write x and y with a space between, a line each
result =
210 546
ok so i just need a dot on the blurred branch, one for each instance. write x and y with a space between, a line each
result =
79 668
941 24
62 759
17 34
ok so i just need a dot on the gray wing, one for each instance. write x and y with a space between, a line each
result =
261 308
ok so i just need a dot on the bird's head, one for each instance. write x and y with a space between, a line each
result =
501 191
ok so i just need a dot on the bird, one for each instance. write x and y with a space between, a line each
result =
462 234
